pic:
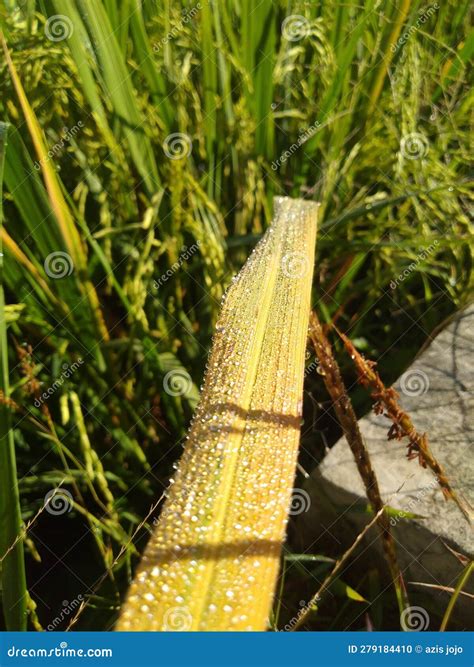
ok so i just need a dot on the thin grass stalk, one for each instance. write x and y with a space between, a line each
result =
14 591
213 560
316 598
209 77
463 579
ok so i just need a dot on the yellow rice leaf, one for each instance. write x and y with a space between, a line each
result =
213 559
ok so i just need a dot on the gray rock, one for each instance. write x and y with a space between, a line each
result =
438 393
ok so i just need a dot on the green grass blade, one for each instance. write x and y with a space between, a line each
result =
77 42
462 581
264 35
147 64
209 77
119 88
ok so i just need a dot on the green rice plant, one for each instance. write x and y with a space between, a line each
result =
463 580
147 141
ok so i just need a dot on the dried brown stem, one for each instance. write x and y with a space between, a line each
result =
348 420
386 402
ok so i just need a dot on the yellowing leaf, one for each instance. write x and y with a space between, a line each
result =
213 559
344 590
